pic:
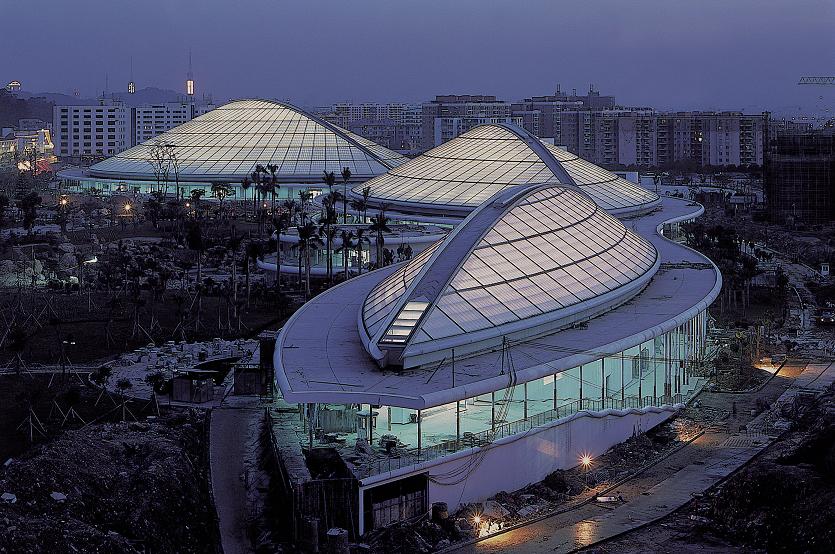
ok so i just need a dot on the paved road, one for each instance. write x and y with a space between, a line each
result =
670 484
230 436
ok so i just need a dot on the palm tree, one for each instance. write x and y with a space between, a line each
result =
346 176
281 224
273 188
220 191
232 245
254 252
656 179
308 240
360 206
305 196
196 195
195 242
361 239
245 184
258 179
290 207
347 238
366 193
330 179
379 225
327 221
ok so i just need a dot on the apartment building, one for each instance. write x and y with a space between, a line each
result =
110 127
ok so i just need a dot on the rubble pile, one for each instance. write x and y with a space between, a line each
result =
785 502
121 487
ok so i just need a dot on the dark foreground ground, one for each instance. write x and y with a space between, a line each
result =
782 502
109 486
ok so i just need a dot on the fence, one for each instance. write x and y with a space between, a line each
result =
484 438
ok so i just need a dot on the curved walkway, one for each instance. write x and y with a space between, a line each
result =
232 435
696 468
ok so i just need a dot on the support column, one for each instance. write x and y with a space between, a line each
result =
525 386
603 383
493 411
581 387
457 424
555 393
418 432
622 382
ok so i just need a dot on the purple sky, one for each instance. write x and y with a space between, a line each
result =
728 54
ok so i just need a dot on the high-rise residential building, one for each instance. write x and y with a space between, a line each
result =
101 130
111 127
448 116
396 125
799 177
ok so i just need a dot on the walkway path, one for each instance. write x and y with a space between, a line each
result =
670 484
232 433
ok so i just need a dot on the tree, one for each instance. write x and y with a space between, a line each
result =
123 385
656 180
4 205
245 184
196 195
305 196
254 251
281 224
359 234
308 240
379 226
153 206
220 191
327 221
273 185
195 242
28 205
329 179
346 176
347 239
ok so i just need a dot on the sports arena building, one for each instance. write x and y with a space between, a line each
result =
540 330
225 145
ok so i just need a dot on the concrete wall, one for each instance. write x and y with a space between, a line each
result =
513 462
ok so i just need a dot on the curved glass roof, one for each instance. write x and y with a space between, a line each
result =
225 144
470 168
547 254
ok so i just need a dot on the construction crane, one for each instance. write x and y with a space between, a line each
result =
816 81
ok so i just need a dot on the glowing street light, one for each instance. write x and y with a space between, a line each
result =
127 208
585 461
477 520
63 201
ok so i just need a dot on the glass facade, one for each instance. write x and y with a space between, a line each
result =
551 249
469 169
668 369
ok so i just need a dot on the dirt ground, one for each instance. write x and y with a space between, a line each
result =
784 501
129 486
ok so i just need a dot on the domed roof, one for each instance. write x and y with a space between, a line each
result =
469 169
227 143
530 260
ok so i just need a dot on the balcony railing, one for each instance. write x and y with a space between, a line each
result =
484 438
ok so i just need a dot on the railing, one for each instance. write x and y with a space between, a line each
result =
484 438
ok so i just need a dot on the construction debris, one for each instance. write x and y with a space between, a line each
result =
110 488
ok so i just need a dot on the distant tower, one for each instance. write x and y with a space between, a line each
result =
190 78
131 84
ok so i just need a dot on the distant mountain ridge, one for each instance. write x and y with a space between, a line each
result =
147 95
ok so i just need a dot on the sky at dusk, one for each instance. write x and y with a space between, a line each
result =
668 54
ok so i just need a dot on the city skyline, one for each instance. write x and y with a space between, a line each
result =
691 58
